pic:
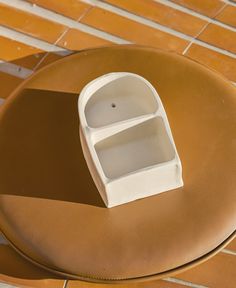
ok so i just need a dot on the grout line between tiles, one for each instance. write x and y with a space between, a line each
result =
14 70
195 37
182 282
2 239
84 14
230 252
40 61
186 10
230 3
3 285
219 11
28 40
65 283
46 54
201 31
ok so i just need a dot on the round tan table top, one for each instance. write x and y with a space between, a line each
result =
50 209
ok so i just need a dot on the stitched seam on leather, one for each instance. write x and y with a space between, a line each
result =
90 277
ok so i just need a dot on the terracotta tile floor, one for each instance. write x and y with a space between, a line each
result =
34 33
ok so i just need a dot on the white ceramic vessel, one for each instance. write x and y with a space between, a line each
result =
126 139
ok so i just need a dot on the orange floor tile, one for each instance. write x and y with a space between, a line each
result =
226 40
232 245
222 63
71 8
78 40
228 15
217 272
206 7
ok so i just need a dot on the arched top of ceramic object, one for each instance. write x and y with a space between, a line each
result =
116 97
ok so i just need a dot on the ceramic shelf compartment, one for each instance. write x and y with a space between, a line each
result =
126 139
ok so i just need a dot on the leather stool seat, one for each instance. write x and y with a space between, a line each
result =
50 209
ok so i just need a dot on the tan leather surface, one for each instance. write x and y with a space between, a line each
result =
49 207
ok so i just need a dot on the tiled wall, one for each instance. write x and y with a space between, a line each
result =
34 33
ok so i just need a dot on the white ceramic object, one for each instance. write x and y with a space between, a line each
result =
126 139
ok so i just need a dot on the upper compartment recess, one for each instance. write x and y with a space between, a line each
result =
122 99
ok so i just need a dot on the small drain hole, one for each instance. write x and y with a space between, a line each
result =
113 105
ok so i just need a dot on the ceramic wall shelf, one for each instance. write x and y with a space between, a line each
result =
126 139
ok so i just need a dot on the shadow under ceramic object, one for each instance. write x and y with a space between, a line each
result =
45 153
